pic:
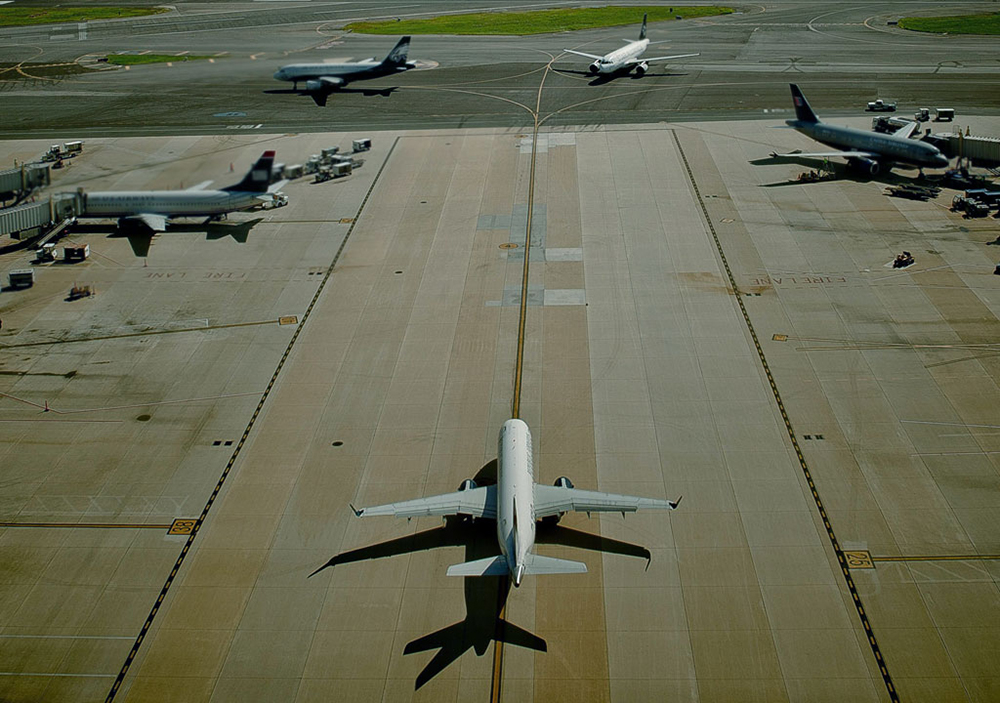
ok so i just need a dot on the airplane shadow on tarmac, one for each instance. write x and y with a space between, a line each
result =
840 170
606 78
140 238
321 97
485 596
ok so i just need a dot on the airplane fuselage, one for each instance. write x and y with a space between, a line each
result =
170 203
891 148
619 58
515 496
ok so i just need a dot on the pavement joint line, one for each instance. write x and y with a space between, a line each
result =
831 535
120 678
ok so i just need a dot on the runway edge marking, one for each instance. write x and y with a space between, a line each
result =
841 558
239 445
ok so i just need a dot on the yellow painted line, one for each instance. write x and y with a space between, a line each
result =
942 557
498 646
98 525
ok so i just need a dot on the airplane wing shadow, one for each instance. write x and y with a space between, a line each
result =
484 596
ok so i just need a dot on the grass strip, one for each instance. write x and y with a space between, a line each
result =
24 16
536 22
137 59
958 24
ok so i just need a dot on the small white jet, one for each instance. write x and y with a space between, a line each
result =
627 57
516 502
151 209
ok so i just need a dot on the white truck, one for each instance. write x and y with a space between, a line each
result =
880 105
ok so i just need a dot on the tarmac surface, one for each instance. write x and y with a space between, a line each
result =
842 56
696 322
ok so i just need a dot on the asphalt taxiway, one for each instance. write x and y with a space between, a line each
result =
842 56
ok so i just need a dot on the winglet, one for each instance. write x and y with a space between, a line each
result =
675 503
357 513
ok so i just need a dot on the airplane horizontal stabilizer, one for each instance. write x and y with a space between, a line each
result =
491 566
538 564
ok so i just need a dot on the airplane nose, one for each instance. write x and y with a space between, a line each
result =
279 75
941 160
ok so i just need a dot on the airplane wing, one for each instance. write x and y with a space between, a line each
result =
906 130
552 500
476 502
156 223
277 185
580 53
201 186
662 58
829 154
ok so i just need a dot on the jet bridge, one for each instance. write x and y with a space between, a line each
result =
16 182
981 151
26 221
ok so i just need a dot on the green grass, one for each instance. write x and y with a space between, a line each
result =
959 24
22 16
135 59
536 22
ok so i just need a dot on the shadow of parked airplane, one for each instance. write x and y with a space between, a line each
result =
838 169
140 237
485 596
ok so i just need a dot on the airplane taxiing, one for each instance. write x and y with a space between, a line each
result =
516 503
627 57
869 151
321 79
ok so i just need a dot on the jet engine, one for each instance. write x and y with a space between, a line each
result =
563 482
869 166
467 485
642 68
594 68
314 86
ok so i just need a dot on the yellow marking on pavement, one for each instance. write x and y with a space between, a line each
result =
182 526
288 320
92 525
861 559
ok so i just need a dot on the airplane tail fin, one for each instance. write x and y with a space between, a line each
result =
258 178
491 566
537 564
803 113
642 32
398 54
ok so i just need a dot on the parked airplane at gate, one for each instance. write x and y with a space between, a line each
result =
321 79
627 57
867 150
152 208
516 502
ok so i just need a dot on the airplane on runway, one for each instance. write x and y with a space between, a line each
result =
866 150
627 57
321 79
516 502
